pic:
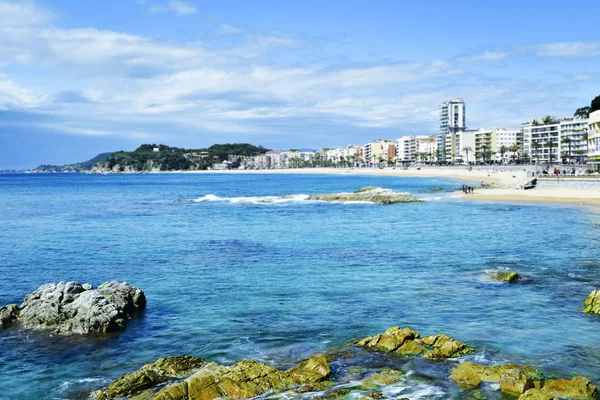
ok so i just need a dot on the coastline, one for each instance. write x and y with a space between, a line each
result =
505 185
582 197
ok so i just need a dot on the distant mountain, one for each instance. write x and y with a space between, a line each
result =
84 166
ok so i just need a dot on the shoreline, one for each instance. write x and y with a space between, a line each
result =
505 184
581 197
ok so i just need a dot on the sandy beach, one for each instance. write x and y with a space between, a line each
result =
505 185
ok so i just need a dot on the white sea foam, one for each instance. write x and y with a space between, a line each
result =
253 199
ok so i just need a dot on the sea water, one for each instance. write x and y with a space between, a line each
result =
244 266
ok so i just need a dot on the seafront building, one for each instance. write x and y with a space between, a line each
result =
379 151
412 149
593 141
457 145
551 140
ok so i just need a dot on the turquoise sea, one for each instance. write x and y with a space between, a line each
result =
230 274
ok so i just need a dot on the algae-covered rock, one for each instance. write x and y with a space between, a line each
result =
592 303
576 388
245 379
535 394
385 377
71 308
8 314
508 277
375 195
515 381
471 374
406 341
149 376
445 347
523 380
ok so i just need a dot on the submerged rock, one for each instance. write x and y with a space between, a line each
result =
149 376
510 276
245 379
8 314
71 308
592 303
370 194
523 380
407 342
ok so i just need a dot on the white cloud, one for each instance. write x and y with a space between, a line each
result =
487 56
568 49
20 13
226 29
13 96
177 6
581 77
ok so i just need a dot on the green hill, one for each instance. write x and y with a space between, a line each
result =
77 167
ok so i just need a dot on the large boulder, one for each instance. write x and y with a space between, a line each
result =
535 394
149 376
406 341
8 314
592 303
72 308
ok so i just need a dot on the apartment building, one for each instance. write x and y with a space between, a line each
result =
379 151
412 149
593 141
457 145
453 119
556 140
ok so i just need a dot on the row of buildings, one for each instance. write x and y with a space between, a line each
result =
547 140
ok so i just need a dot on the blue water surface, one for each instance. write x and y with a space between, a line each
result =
231 277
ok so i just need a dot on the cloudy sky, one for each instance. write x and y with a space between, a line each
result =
82 77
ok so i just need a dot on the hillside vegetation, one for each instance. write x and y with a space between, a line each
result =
152 157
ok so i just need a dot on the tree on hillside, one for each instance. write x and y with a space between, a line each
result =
595 106
583 112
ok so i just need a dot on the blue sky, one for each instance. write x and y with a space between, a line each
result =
82 77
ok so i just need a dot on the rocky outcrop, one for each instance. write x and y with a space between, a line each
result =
406 341
8 314
72 308
592 303
243 380
150 376
524 381
369 194
508 277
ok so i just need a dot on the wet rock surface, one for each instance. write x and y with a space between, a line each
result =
369 194
405 341
68 308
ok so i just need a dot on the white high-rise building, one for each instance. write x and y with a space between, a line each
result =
556 140
594 138
453 117
411 149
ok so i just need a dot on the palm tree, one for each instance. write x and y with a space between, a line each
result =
536 146
503 150
550 144
484 153
568 142
467 149
423 157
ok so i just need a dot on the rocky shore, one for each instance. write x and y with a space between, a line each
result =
322 376
68 308
370 194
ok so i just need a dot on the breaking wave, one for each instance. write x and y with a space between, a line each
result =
254 199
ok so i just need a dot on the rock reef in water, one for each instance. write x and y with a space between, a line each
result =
243 380
592 303
508 277
370 194
405 341
524 381
72 308
150 376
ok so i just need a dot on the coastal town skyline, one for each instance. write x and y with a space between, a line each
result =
77 81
